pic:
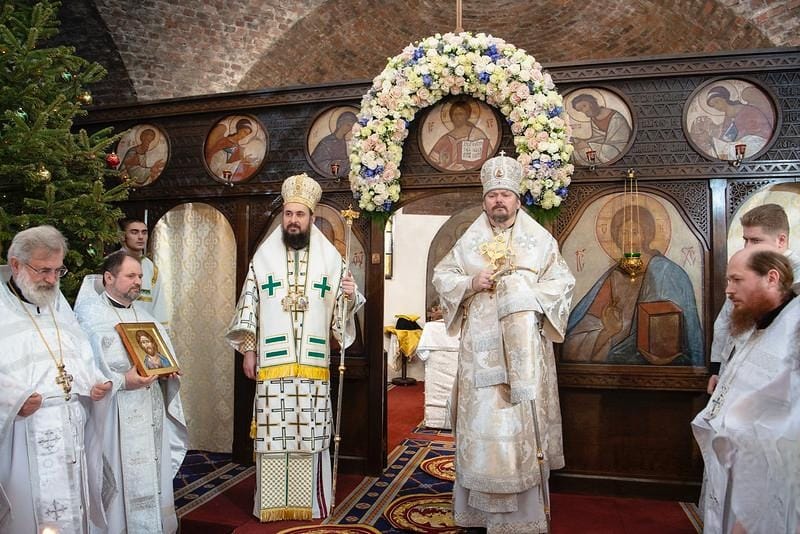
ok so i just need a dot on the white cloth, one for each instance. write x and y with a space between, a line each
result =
51 461
439 351
146 437
742 429
721 345
292 407
506 362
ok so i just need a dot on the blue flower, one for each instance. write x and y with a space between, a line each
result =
484 77
367 172
491 51
555 112
387 206
363 121
427 80
527 198
379 169
419 53
562 192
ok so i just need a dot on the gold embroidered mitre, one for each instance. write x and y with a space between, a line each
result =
501 172
302 189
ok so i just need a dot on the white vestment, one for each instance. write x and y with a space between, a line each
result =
292 409
505 363
51 464
146 437
744 428
722 344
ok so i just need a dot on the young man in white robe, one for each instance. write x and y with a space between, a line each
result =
289 305
152 297
742 490
768 225
506 288
51 425
146 437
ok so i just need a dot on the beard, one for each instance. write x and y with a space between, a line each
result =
40 293
296 241
745 318
742 320
499 214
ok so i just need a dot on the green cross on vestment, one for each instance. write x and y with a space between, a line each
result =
322 286
271 285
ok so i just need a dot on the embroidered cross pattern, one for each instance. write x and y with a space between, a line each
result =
283 410
314 439
48 440
56 510
283 438
271 285
323 287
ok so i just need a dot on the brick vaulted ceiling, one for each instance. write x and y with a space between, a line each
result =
157 49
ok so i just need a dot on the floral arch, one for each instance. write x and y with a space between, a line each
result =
480 66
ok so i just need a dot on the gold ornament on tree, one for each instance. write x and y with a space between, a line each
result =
85 98
42 174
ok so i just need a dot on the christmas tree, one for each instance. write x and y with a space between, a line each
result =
49 172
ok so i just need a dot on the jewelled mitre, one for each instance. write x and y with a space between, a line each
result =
501 172
302 189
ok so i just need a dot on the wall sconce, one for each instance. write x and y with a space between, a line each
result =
591 157
228 177
335 171
739 149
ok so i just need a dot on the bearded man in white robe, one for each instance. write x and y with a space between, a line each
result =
51 471
146 437
290 303
505 286
767 224
745 423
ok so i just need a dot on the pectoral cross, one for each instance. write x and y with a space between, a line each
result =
64 380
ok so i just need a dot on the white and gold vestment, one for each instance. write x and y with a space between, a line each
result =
505 363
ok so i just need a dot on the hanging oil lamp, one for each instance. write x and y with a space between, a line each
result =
631 261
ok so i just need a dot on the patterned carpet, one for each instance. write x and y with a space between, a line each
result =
203 476
414 494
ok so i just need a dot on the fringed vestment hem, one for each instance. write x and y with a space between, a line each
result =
284 514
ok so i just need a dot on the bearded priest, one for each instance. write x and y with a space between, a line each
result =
289 304
146 437
505 288
51 476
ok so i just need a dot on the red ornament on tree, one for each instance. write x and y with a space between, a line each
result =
112 160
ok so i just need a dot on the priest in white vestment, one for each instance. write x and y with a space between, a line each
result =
152 296
506 288
767 224
146 437
747 422
51 423
289 305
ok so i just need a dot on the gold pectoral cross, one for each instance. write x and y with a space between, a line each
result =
496 251
64 380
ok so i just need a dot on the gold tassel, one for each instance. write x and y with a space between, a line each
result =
295 370
285 514
253 428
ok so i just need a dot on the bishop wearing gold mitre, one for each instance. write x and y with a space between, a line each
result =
288 307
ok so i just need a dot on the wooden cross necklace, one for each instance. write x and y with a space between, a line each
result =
63 378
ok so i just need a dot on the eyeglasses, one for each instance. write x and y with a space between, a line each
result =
60 272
